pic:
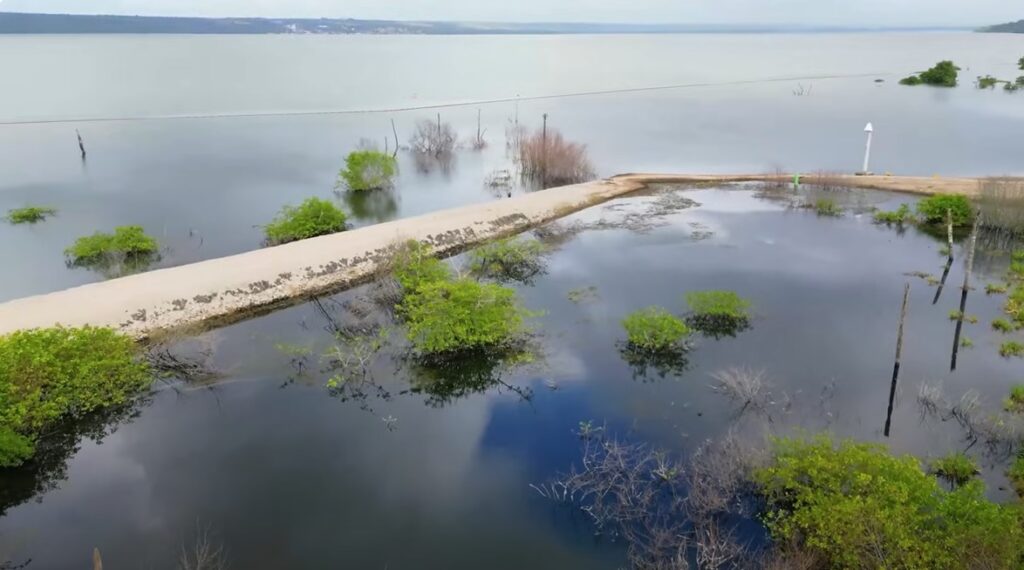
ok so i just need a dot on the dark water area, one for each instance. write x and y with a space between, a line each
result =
205 186
417 468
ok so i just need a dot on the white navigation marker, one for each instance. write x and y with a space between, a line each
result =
867 151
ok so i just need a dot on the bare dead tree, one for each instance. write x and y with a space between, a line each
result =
204 553
81 144
434 140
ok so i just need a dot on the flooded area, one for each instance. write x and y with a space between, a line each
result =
256 443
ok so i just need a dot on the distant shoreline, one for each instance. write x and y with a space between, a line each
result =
12 23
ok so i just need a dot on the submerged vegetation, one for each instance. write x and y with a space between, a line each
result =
30 214
367 170
314 217
1015 401
51 375
510 259
853 505
900 216
718 313
1011 348
548 159
935 209
103 248
943 74
956 468
654 329
827 207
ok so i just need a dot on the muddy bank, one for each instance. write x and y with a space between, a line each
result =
225 288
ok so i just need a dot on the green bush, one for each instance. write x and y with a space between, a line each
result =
899 216
314 217
29 215
944 74
1016 475
718 304
933 209
367 170
49 375
1011 348
1015 401
987 82
654 329
957 468
854 505
461 315
1002 325
508 260
1020 63
995 288
827 207
126 241
414 267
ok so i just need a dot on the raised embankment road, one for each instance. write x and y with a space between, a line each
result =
219 289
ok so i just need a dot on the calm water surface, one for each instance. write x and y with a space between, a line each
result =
409 473
205 186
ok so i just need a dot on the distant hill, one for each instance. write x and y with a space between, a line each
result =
1009 28
22 23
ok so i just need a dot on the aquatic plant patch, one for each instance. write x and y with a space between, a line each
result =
935 209
314 217
654 329
125 242
510 259
368 170
29 215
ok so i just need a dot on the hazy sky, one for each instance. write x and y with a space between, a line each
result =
840 12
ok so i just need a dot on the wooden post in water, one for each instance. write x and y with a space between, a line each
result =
81 144
544 152
899 357
395 131
949 257
968 268
97 561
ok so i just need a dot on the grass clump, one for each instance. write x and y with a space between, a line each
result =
897 217
1016 475
933 209
956 468
943 74
718 313
367 170
445 315
29 215
995 288
956 315
966 342
654 329
125 242
987 82
1011 348
56 374
827 207
1015 401
314 217
854 505
1002 325
510 259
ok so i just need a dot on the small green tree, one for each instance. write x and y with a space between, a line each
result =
933 209
367 170
944 74
654 329
314 217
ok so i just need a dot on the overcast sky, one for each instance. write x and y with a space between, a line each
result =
830 12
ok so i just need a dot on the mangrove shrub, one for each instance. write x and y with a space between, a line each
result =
654 329
855 505
510 259
125 242
944 74
29 215
368 170
933 209
314 217
55 374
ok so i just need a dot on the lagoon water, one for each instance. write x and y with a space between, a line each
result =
413 470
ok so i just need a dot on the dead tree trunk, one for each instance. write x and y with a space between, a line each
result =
899 357
395 132
81 144
968 268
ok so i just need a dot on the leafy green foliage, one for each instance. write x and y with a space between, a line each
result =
1011 348
966 342
1002 325
856 506
827 207
461 315
15 448
1016 475
897 217
314 217
1015 401
995 288
933 209
654 329
719 304
987 82
956 315
48 375
944 74
29 215
1020 63
368 170
126 241
511 259
957 468
445 315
